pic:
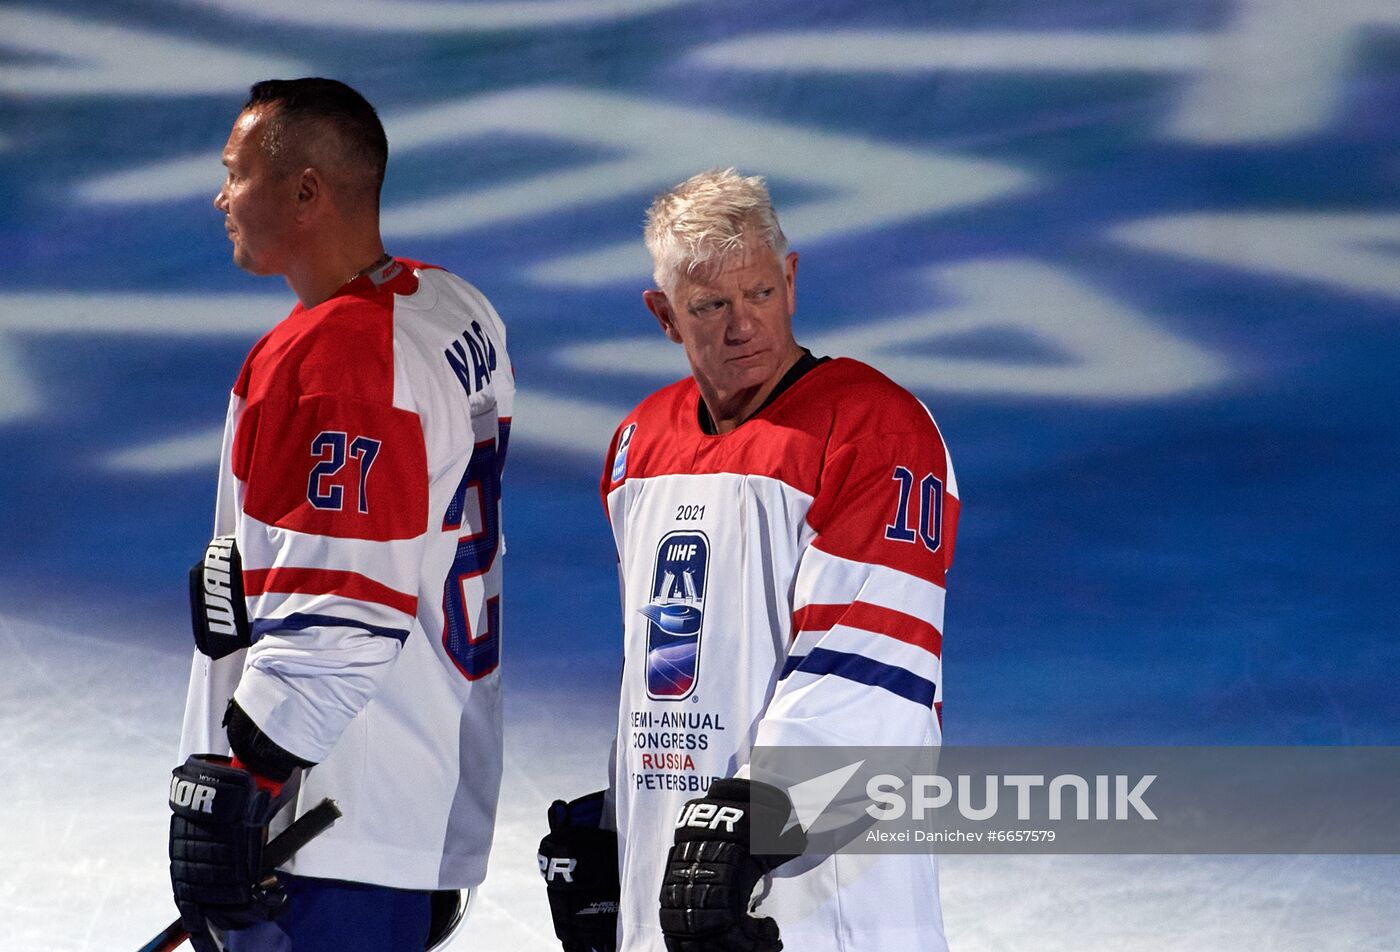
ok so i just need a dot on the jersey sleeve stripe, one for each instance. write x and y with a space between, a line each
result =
872 645
300 622
868 617
279 605
299 581
829 579
393 564
853 667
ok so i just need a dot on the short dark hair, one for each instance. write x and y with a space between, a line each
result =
314 108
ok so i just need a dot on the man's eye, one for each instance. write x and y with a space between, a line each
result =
762 294
709 307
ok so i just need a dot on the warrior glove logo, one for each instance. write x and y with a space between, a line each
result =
196 797
218 612
675 615
218 604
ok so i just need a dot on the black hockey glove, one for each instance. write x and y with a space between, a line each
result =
218 825
218 611
578 860
711 872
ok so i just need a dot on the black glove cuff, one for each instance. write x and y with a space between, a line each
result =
764 798
587 812
258 752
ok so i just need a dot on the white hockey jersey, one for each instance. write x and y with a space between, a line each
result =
782 584
361 478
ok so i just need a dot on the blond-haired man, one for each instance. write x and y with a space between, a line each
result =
784 525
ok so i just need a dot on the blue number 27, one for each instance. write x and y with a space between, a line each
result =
328 450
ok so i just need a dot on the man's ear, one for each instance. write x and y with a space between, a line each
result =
790 276
660 307
311 193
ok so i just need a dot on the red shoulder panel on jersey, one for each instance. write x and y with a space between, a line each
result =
333 466
885 500
860 402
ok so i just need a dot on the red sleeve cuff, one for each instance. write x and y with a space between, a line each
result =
273 788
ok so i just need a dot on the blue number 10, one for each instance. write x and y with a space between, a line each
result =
927 514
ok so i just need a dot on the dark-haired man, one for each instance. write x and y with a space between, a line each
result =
356 559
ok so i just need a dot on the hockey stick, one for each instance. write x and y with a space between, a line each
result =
307 827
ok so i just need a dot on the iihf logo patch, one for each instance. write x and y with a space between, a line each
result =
619 469
675 615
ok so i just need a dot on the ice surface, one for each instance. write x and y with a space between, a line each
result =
90 730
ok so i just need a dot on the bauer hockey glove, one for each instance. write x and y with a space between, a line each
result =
712 870
578 860
218 825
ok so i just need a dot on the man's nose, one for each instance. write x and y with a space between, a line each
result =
742 321
221 199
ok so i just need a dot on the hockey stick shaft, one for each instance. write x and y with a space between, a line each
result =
307 827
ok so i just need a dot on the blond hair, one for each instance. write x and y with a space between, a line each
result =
706 218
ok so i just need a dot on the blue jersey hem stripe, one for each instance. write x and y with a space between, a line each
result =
863 670
299 621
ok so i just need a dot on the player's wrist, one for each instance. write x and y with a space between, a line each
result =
269 763
273 788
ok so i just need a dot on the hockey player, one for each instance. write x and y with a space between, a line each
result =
356 560
784 524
